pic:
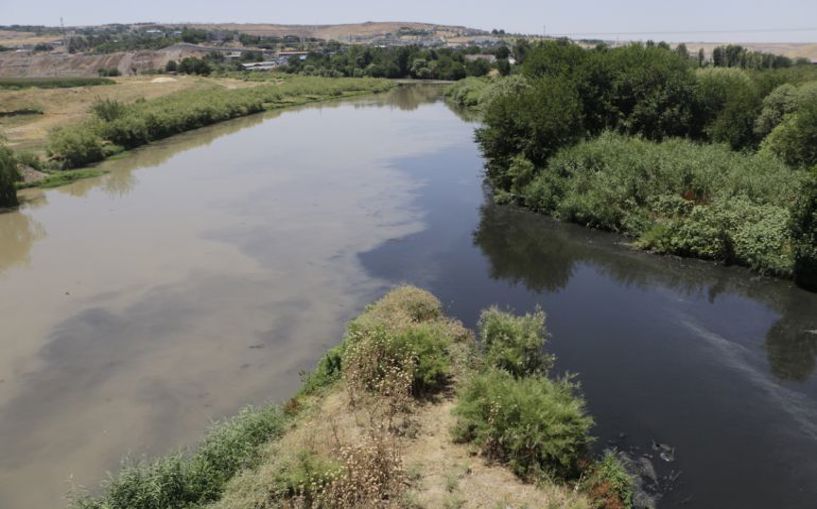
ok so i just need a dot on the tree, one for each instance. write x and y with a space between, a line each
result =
8 177
795 140
533 123
171 66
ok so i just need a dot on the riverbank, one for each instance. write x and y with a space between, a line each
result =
76 128
398 415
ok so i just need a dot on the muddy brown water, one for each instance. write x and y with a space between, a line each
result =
203 273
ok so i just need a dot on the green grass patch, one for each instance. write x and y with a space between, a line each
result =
18 83
184 480
62 178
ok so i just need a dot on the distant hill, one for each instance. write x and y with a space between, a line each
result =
342 32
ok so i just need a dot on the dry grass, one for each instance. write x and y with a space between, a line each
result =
63 107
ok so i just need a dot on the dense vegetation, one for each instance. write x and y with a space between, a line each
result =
8 177
393 62
116 126
341 442
690 160
17 83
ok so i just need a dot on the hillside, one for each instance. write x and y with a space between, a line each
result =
342 32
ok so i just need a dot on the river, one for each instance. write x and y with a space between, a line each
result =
204 272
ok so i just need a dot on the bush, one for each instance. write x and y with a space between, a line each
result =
676 197
8 177
468 92
537 426
515 343
108 72
609 484
108 109
180 481
804 233
75 147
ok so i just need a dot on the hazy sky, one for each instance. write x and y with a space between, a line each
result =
715 20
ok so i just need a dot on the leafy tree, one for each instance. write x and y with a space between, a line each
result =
727 104
171 66
795 140
8 176
533 123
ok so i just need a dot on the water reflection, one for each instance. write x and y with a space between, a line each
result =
18 232
791 343
542 255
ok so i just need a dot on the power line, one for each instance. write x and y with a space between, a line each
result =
686 32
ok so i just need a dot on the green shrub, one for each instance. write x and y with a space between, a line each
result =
804 233
75 147
609 484
515 343
304 476
382 360
535 425
108 109
8 177
30 159
108 72
675 197
181 481
468 92
733 231
327 372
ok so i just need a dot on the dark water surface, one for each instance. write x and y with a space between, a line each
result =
204 272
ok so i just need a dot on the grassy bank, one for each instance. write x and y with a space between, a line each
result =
407 411
116 126
688 158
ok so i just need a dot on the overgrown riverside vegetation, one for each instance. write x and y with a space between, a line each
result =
116 126
392 417
691 158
